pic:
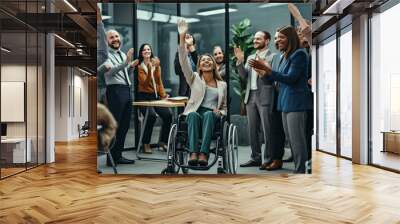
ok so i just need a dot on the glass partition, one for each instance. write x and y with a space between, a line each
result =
15 151
346 92
327 95
385 89
22 89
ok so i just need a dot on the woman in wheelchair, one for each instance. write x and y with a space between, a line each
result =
207 102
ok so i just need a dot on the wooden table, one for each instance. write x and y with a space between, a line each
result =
391 141
156 103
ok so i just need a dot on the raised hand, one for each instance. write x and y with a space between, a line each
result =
182 26
129 55
98 15
297 15
239 54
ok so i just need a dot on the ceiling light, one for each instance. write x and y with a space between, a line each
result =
5 50
105 17
70 5
214 11
84 71
338 6
143 15
65 41
174 19
159 17
267 5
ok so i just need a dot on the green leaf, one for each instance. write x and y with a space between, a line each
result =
246 22
237 91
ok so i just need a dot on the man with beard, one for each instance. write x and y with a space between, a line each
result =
220 59
118 92
259 100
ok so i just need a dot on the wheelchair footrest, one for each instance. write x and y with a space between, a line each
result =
196 167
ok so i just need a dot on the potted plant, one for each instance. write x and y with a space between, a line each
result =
244 39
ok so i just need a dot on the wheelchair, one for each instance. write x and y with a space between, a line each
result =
224 148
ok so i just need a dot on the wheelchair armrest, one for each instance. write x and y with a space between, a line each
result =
222 120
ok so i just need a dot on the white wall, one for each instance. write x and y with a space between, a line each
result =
71 102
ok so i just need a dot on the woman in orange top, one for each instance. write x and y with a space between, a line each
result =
151 88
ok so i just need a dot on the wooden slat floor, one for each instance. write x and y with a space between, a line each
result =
70 191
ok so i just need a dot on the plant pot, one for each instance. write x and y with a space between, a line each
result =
242 128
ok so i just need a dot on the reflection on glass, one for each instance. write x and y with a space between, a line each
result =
385 85
41 150
31 101
14 148
346 94
327 96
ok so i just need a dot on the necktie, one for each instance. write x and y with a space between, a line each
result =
125 73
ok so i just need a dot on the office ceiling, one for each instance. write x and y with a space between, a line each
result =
72 20
328 13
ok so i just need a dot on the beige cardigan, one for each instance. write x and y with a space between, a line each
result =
198 86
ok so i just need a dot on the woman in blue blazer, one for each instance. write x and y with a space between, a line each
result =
293 99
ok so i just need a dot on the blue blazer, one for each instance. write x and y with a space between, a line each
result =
294 94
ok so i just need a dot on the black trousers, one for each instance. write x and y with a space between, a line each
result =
120 105
164 113
309 131
277 136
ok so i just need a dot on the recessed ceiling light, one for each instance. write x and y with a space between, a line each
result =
5 50
214 11
65 41
70 6
267 5
84 71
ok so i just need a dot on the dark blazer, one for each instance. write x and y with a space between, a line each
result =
292 75
184 89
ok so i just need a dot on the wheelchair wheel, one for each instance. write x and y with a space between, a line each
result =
225 146
234 150
229 149
171 169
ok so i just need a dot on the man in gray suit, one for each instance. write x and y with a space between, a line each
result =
118 92
259 100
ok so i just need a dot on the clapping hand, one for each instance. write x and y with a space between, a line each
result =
239 54
134 63
182 26
129 55
155 61
262 67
